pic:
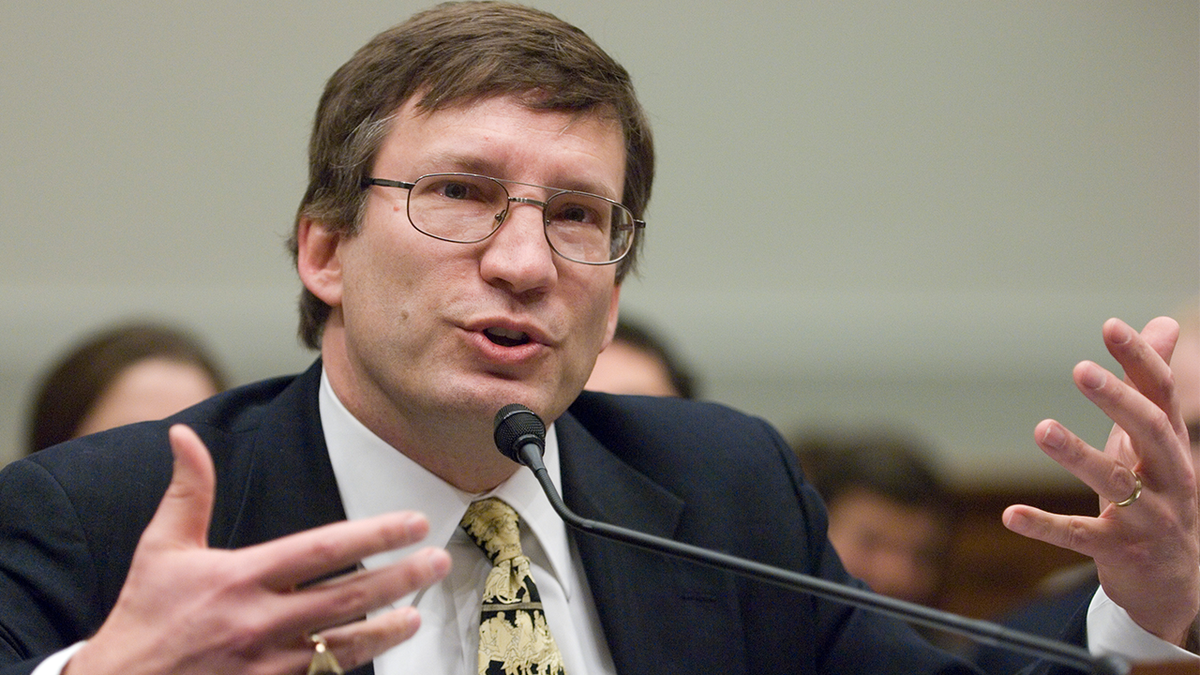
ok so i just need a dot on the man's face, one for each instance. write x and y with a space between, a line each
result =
423 327
1185 363
625 369
895 548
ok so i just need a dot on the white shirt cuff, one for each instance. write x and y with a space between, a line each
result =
1111 631
54 664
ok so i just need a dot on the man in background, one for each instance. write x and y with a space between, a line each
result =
889 512
638 361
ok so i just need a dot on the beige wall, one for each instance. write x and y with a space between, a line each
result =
909 212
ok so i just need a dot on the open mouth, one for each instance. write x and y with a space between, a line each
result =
506 338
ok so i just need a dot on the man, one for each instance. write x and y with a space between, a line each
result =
639 362
889 512
1185 363
435 300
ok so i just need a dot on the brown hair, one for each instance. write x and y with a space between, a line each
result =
72 386
644 339
450 55
885 462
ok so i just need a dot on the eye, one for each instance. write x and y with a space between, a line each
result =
458 188
575 210
576 213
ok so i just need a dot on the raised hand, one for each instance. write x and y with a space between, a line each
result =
186 608
1145 540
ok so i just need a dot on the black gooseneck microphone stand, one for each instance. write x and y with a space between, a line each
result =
521 436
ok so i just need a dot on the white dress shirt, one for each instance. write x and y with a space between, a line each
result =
374 478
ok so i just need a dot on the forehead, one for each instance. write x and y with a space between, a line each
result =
504 137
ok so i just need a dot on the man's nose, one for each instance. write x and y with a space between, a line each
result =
518 254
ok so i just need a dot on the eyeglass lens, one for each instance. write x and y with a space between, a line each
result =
467 208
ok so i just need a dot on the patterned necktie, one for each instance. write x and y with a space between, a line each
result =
513 636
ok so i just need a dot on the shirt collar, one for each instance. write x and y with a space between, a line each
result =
374 478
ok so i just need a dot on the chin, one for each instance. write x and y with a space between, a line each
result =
487 398
547 406
484 395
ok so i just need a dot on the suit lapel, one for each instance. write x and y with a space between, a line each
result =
643 597
277 479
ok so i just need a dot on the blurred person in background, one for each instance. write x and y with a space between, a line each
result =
889 511
131 372
1185 363
640 362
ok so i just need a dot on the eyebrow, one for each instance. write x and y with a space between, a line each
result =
444 162
454 162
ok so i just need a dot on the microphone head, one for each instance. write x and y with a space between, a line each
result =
516 426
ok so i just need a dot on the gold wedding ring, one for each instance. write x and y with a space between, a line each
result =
323 661
1137 491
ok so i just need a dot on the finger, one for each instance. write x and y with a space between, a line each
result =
346 598
1107 476
358 643
1077 533
1145 356
1162 333
182 518
1146 424
300 558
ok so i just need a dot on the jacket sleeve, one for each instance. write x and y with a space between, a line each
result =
70 519
47 571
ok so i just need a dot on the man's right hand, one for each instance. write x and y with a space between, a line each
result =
186 608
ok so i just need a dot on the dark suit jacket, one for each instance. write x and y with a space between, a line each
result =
71 516
1044 615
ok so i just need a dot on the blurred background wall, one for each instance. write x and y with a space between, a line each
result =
866 212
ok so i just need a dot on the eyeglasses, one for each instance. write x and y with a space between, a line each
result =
467 208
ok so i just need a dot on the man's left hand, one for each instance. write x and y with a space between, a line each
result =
1147 552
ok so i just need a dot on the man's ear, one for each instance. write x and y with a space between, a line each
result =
317 260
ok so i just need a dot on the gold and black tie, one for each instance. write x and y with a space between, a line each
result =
513 636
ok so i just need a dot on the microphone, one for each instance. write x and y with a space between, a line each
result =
520 435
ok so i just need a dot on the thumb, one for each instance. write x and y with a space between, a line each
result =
183 515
